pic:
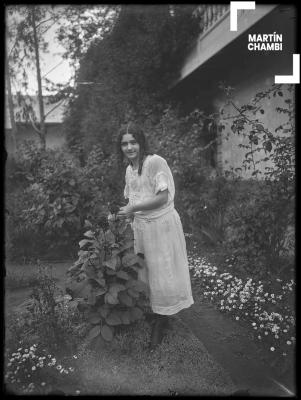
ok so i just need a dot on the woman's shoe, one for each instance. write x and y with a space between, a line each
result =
159 326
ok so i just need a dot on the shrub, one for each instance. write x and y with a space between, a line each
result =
48 207
33 370
104 280
49 311
261 220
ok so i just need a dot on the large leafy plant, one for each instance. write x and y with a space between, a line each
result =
104 280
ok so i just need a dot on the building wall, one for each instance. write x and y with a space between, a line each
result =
246 71
230 154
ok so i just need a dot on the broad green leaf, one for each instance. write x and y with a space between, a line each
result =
133 293
111 263
125 299
136 313
129 259
115 252
113 319
103 310
99 274
111 299
88 224
109 237
83 242
100 291
91 298
110 271
94 319
125 318
89 234
106 332
116 287
95 331
74 266
123 275
90 271
101 282
140 286
127 245
80 289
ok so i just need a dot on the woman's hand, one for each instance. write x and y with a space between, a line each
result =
125 212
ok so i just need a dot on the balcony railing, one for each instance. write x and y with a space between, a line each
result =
210 15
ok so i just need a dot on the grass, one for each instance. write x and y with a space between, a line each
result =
180 366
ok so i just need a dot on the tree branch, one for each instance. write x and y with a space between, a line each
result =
43 22
56 106
34 125
208 145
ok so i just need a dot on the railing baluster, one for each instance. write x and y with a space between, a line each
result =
209 14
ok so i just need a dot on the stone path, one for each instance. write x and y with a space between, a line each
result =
230 345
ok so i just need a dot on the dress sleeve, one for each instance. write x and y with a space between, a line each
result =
126 188
161 176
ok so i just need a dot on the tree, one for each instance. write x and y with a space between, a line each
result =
25 35
128 70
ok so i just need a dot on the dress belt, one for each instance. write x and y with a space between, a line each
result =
150 217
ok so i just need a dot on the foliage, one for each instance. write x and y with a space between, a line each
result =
33 370
188 143
127 69
261 221
53 197
49 311
104 280
268 306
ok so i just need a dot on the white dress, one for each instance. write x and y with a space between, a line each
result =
159 236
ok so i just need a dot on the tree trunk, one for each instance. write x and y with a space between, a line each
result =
42 133
11 108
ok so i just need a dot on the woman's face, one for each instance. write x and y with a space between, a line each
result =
130 147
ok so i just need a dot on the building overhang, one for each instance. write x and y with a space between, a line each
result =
211 41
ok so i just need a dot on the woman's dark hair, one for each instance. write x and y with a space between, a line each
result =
137 132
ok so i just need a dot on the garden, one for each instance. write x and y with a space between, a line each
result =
77 317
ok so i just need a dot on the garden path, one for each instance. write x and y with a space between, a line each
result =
230 344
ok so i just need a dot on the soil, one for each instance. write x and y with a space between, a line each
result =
229 343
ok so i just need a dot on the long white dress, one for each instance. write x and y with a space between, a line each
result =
159 236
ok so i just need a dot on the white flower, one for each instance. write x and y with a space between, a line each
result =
288 342
33 368
272 348
43 383
237 318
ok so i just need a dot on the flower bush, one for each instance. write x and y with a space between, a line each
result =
268 307
32 370
104 280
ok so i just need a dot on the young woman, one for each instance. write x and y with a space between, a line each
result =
158 232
